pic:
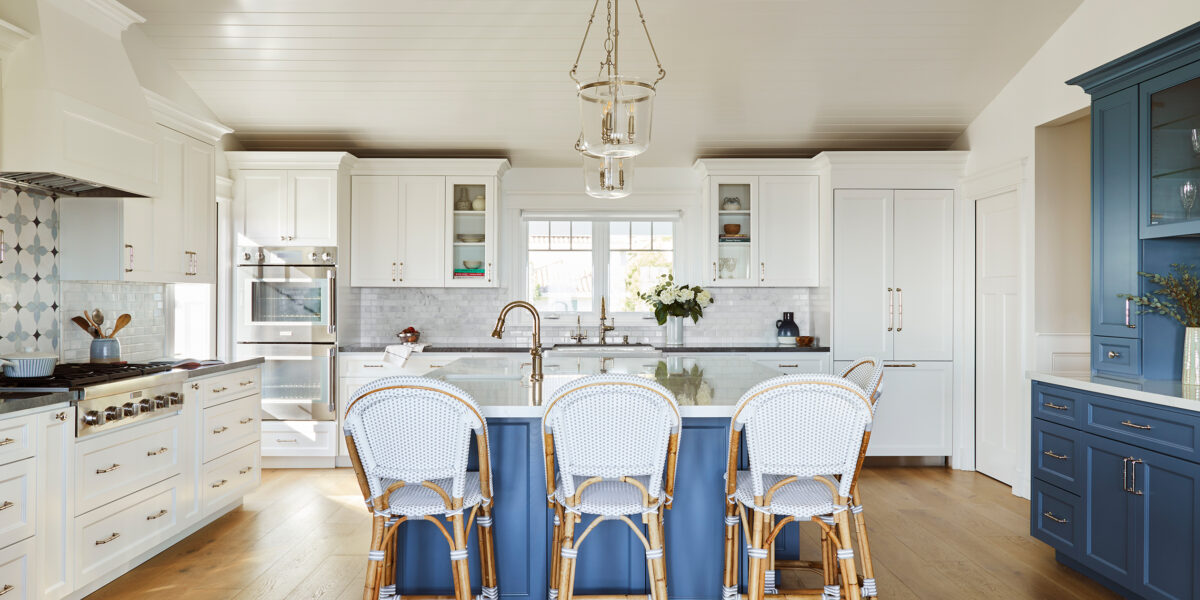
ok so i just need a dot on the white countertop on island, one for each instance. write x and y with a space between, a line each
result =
703 386
1154 391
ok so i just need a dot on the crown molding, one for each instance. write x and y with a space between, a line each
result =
485 167
756 166
117 14
250 159
170 114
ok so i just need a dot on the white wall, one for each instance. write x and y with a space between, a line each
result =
1002 138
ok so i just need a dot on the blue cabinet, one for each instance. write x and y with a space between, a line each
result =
1169 146
1116 491
1115 243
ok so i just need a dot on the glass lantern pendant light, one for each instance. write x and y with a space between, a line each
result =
607 177
615 109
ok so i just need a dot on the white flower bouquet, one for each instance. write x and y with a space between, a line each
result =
670 300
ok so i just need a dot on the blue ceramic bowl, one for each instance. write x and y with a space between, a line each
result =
106 350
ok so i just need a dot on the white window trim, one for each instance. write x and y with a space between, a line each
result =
600 250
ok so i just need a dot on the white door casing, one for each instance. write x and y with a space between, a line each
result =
999 384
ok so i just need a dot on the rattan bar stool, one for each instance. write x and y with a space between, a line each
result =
804 438
867 374
409 439
614 440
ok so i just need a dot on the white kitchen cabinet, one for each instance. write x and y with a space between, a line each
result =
765 231
55 494
18 571
913 414
470 232
18 482
397 233
795 363
893 274
170 238
289 207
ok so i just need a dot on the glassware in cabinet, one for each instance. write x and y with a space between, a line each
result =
1171 150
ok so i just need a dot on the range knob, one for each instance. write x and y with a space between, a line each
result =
160 401
113 413
93 417
146 405
129 409
246 256
326 257
175 398
313 257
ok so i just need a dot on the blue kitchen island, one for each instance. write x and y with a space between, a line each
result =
612 560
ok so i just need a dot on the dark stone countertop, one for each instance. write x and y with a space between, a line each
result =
497 348
207 370
12 402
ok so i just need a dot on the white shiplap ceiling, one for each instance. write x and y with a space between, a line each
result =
489 77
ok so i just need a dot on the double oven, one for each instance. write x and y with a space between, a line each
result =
286 312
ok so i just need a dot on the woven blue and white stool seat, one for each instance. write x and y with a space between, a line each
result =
416 500
804 498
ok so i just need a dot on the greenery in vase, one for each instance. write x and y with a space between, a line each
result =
688 386
670 300
1178 295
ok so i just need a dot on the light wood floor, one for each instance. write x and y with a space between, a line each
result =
935 533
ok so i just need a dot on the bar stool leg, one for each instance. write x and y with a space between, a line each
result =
374 560
846 554
458 559
769 586
758 556
732 556
828 565
864 546
566 565
487 553
556 551
656 562
389 562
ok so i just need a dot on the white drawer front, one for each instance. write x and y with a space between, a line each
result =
231 476
226 386
107 537
17 573
16 438
299 438
370 368
18 510
124 461
231 425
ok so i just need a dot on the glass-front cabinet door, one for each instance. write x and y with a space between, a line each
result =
470 231
1170 153
732 249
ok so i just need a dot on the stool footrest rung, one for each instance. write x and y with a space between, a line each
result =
804 594
798 564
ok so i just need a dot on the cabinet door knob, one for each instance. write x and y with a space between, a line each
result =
1112 354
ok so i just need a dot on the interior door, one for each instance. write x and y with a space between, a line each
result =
862 273
999 383
374 230
422 230
789 231
923 254
264 207
313 208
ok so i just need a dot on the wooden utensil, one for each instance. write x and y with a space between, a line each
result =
87 317
85 325
122 321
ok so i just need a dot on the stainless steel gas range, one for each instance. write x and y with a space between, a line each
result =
111 396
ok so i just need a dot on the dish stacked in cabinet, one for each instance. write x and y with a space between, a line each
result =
230 427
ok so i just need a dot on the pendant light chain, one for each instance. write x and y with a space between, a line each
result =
612 41
661 71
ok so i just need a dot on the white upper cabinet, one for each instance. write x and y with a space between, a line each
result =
263 199
312 202
764 230
200 212
289 198
411 227
893 274
789 230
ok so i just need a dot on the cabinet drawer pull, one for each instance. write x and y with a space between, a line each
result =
219 430
6 589
157 452
108 539
288 441
7 505
1051 454
246 420
1112 355
1054 406
108 470
245 470
220 483
158 515
905 366
7 441
246 383
1128 423
783 366
219 390
1050 515
372 366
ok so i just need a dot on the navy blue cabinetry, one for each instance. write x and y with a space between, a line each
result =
1116 490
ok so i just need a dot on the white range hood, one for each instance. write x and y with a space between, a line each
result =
73 117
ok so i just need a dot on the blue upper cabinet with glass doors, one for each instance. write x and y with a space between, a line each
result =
1169 146
1145 196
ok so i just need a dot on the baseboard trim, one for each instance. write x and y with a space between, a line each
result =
906 461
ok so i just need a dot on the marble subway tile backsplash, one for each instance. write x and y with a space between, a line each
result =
373 316
142 340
